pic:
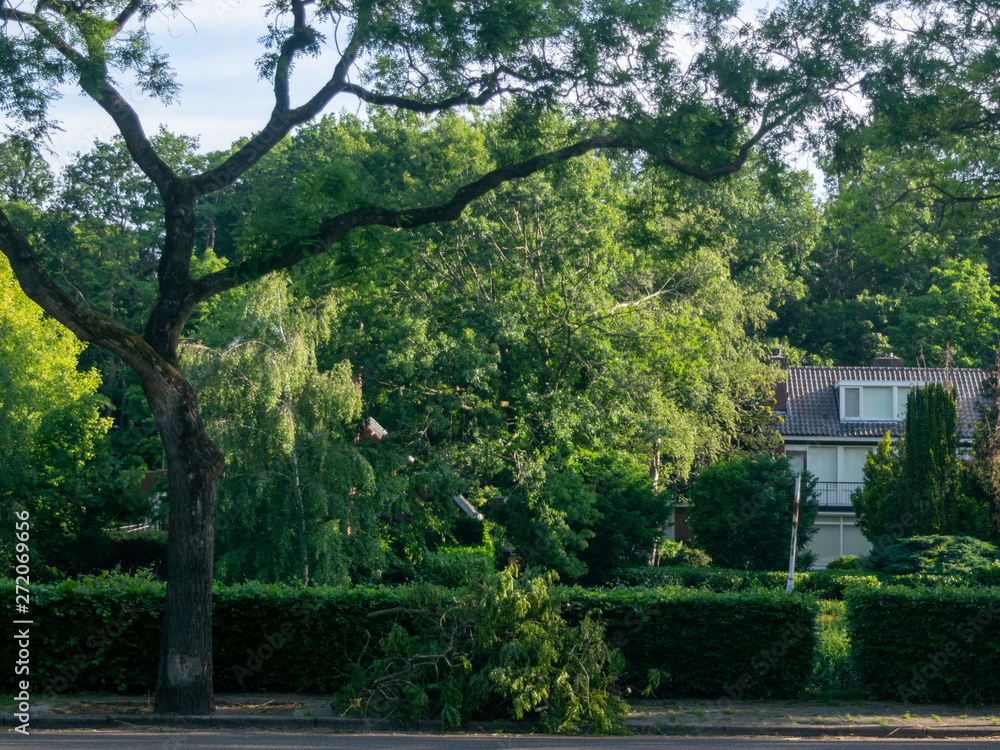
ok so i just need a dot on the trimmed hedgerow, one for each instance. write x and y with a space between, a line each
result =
823 584
684 642
924 645
104 634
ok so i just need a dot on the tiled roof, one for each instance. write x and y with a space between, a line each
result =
813 409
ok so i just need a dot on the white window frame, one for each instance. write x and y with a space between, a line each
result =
861 385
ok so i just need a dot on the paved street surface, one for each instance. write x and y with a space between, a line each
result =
93 722
395 741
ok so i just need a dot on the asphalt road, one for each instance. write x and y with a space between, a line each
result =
79 740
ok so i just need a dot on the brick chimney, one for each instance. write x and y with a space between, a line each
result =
887 360
780 389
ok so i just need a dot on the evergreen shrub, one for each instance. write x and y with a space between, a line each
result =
684 642
104 634
938 554
926 644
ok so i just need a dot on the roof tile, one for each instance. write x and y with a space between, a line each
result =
812 399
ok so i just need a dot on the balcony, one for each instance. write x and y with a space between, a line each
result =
835 494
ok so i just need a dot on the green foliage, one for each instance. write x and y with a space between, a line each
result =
741 512
834 668
851 563
55 458
823 584
937 554
454 567
926 644
24 175
563 336
753 644
293 474
499 649
672 553
923 488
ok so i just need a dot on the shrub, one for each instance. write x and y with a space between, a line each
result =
457 566
847 562
923 645
698 643
923 487
936 554
741 512
820 583
672 554
502 639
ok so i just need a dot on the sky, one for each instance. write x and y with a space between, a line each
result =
212 49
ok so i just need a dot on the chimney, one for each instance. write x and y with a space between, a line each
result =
887 360
780 389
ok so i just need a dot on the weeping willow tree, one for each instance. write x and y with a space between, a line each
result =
296 501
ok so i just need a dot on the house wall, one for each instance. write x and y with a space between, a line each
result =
837 535
838 468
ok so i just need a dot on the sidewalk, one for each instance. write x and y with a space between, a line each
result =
281 712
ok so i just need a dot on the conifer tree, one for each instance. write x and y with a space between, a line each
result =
924 487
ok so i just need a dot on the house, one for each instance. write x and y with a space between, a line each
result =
834 416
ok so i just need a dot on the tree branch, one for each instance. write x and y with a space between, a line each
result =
85 323
334 228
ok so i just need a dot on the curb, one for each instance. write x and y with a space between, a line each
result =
827 731
304 723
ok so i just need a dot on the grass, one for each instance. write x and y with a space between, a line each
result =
834 677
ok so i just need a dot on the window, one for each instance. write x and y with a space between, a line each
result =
882 402
877 403
852 403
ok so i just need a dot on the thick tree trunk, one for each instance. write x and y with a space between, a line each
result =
184 685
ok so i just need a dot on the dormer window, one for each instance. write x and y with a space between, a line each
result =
873 402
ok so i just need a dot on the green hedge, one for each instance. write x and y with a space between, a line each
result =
823 584
105 635
98 635
743 644
924 645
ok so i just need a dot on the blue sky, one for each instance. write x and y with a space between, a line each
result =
212 50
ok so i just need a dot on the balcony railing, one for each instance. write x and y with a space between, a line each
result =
835 494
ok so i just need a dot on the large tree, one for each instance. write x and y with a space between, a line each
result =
688 86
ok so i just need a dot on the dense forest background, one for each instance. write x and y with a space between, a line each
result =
561 358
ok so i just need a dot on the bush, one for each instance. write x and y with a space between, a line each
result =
822 584
677 642
502 639
847 562
457 566
673 554
926 645
936 554
741 512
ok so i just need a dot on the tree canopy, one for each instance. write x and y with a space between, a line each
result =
690 87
